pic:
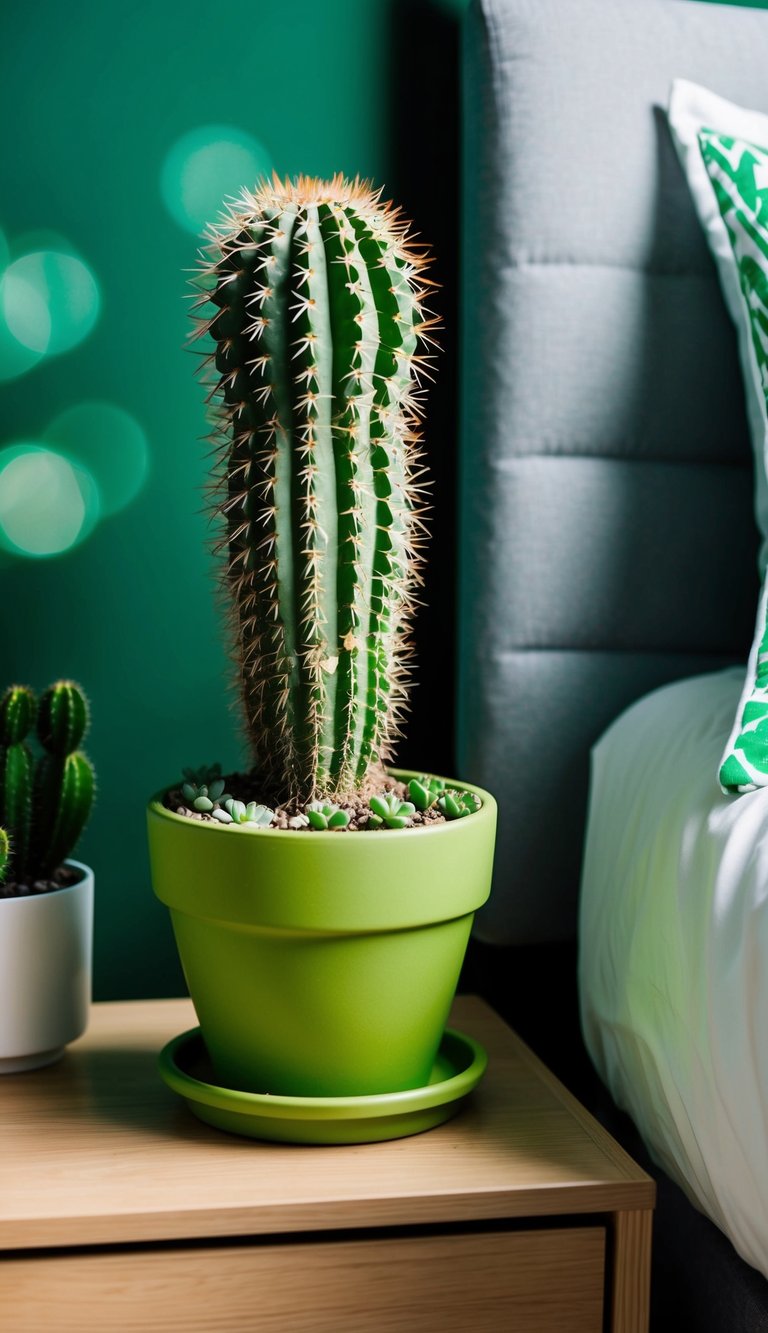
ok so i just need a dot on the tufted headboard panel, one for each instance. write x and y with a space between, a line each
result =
606 536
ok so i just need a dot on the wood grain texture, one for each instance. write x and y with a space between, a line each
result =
540 1282
631 1271
97 1150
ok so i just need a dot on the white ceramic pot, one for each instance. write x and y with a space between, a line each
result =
45 973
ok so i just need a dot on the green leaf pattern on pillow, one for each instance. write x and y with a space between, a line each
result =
739 175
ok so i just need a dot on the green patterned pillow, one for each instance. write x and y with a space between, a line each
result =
739 175
724 151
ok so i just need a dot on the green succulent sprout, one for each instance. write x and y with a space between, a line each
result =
389 809
237 812
457 804
319 329
424 791
326 815
204 798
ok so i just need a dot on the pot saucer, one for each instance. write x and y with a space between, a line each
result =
458 1068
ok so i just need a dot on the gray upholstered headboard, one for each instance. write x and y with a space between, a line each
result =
606 539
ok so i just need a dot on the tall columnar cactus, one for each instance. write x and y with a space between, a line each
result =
64 780
18 707
319 331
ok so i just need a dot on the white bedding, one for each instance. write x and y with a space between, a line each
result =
674 950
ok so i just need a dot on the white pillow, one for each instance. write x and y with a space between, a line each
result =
724 152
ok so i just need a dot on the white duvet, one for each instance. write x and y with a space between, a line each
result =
674 950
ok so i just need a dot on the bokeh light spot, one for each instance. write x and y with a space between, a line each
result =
47 505
26 311
207 166
15 359
50 301
110 444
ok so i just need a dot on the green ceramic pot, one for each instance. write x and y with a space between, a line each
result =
322 964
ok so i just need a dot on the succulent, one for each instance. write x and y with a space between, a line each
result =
457 804
424 791
319 329
221 816
324 814
204 798
389 809
237 812
44 806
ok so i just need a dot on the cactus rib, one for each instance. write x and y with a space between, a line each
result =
18 708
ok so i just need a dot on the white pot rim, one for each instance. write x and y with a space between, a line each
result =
85 878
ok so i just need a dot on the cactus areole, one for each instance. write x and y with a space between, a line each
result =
321 337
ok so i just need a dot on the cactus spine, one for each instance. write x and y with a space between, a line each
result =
17 715
64 779
320 317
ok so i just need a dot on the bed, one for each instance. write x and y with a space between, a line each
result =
604 451
674 938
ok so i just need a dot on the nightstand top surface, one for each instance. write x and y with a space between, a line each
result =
97 1150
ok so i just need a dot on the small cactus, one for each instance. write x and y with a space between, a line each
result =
457 804
64 779
388 809
424 791
319 329
326 815
44 806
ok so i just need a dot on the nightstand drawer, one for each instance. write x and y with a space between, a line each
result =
543 1281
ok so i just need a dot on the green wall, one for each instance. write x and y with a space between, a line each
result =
96 96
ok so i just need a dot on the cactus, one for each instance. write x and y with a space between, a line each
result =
257 816
64 780
17 715
44 806
319 328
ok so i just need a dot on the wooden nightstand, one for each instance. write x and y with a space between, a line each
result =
120 1211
